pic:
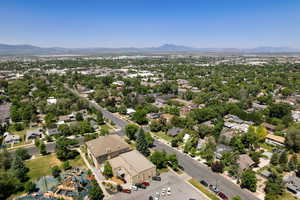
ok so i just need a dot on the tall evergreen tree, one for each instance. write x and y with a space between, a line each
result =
293 163
19 169
283 159
142 144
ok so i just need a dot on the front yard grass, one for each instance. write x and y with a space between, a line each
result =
163 136
203 189
288 196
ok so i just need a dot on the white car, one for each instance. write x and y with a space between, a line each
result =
169 193
134 188
163 193
169 189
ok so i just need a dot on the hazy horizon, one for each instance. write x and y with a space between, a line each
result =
117 24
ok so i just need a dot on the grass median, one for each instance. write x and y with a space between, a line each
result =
196 184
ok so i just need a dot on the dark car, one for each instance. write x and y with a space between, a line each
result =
204 183
126 191
223 196
181 167
140 186
145 183
156 178
150 198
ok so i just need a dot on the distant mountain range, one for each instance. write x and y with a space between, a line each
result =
6 49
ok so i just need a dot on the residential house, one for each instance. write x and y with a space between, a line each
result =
296 115
153 115
220 149
5 113
174 131
105 148
292 183
275 140
33 134
133 167
51 131
51 100
269 127
167 117
11 138
245 162
130 111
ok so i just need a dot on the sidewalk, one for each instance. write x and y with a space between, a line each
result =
98 177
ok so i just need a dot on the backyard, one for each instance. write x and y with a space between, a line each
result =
41 166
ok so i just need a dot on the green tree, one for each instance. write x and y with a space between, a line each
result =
217 166
19 169
274 187
22 153
149 139
100 118
95 193
248 180
293 138
30 187
130 131
107 169
275 159
158 158
42 148
79 116
283 159
172 160
293 163
155 126
66 165
141 143
55 171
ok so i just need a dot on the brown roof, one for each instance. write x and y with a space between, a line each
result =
133 162
245 161
276 138
269 126
106 144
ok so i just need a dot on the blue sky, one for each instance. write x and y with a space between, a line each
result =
145 23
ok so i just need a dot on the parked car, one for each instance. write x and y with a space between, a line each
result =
156 178
140 186
150 198
145 183
223 196
204 183
213 188
181 167
126 191
134 187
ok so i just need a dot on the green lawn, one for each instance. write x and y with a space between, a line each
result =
203 189
288 196
163 136
163 170
41 166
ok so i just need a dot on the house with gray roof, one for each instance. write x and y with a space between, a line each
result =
11 138
292 183
174 131
33 134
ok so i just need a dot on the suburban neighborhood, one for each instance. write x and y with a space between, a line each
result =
128 127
